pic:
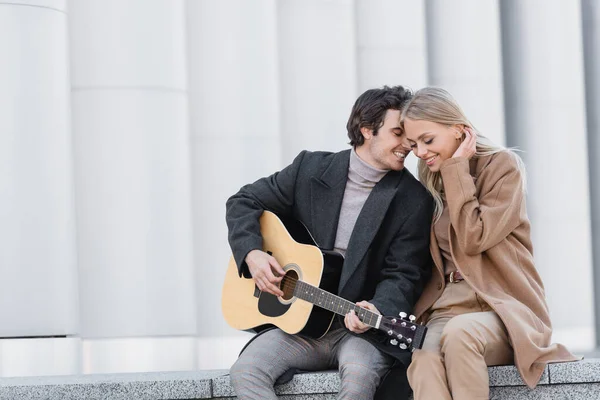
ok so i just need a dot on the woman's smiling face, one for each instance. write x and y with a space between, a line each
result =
432 142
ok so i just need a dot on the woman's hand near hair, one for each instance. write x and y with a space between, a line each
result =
467 147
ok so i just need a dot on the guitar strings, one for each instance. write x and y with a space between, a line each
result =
290 283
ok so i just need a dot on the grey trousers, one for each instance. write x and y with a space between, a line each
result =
361 365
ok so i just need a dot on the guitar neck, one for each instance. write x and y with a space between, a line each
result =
336 304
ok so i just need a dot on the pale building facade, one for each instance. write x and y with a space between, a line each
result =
126 124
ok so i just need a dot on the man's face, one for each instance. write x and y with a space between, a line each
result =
387 149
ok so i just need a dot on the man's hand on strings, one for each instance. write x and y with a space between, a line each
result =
266 271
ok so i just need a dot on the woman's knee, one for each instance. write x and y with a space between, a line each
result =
459 336
423 364
424 360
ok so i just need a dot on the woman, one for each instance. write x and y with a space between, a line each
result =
484 304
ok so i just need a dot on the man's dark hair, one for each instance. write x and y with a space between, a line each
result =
370 108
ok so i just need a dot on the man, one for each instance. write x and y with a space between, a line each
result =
363 204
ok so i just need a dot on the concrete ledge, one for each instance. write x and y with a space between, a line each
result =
328 382
585 371
144 386
584 391
308 383
507 375
576 380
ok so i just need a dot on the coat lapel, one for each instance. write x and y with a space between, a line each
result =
436 254
327 192
368 223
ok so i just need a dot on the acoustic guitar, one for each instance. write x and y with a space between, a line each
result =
311 278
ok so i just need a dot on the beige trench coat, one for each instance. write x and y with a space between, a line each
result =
491 246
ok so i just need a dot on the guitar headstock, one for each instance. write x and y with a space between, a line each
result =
403 331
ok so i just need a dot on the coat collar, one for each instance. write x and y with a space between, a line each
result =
436 254
368 223
327 192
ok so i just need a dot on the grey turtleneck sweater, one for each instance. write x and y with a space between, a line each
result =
361 179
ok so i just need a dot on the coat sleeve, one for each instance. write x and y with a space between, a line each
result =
243 210
407 263
481 222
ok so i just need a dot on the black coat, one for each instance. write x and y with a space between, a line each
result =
387 261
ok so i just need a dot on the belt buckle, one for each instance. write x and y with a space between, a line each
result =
451 280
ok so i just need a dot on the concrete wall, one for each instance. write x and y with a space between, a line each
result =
126 124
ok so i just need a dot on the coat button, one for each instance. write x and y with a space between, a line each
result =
439 286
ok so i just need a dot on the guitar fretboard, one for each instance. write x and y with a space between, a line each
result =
331 302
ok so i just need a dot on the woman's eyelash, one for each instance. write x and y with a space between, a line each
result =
428 141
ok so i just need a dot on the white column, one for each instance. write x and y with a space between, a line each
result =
546 118
464 49
591 41
38 271
234 105
317 55
130 123
391 47
38 284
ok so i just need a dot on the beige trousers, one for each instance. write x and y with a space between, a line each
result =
464 336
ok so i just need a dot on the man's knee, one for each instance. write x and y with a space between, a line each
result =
359 378
251 369
241 371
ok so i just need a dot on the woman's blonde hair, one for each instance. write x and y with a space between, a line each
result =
437 105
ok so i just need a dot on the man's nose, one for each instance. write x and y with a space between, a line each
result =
405 144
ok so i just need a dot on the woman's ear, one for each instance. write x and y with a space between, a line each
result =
459 131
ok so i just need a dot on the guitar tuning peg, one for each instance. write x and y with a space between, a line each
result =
394 320
393 342
400 336
403 346
390 332
408 340
412 318
402 315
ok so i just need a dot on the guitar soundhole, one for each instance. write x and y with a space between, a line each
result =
288 284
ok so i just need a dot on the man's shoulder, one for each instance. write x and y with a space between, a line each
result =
410 182
412 194
321 160
318 156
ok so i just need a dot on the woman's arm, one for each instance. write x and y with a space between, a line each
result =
484 221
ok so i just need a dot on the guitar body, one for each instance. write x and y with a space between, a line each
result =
245 307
